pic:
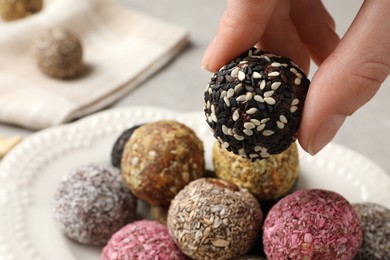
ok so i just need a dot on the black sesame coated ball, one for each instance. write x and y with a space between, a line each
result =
254 104
119 146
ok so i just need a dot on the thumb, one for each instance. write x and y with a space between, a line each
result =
349 77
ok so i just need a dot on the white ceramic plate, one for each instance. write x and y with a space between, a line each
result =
30 173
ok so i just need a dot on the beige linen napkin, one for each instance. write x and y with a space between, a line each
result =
121 48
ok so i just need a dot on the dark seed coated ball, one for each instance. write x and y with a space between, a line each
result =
119 146
375 222
58 52
214 219
92 202
254 104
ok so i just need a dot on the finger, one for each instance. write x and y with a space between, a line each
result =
349 77
240 28
312 22
281 37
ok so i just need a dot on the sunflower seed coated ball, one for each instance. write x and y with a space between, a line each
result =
214 219
254 104
58 53
16 9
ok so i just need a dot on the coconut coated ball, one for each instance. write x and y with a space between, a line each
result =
143 239
160 158
312 224
375 222
17 9
267 179
92 202
214 219
58 52
254 104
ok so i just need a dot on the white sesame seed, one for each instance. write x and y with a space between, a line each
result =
260 127
283 119
269 100
275 85
299 75
253 155
293 109
262 84
258 148
251 111
238 137
236 115
248 96
280 125
209 119
284 65
225 145
295 102
225 129
223 94
256 75
265 57
294 70
208 104
268 93
220 139
212 109
265 154
241 75
237 87
210 91
275 64
227 101
249 125
207 86
230 93
234 72
248 132
230 131
264 120
242 152
214 117
259 98
241 98
268 132
255 121
297 81
273 74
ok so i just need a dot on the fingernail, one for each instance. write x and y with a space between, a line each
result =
325 133
207 54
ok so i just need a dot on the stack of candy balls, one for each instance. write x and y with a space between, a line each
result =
248 207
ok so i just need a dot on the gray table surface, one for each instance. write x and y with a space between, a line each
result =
180 84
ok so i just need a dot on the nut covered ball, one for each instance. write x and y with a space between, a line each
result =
16 9
160 158
214 219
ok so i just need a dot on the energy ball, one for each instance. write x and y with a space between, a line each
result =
58 53
17 9
143 239
119 146
254 104
266 179
375 222
214 219
92 202
160 158
312 224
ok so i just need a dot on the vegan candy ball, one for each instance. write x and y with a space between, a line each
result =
266 179
375 222
214 219
92 202
16 9
312 224
160 158
119 146
254 104
143 239
58 52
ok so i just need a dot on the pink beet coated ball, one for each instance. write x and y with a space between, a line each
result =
143 239
312 224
